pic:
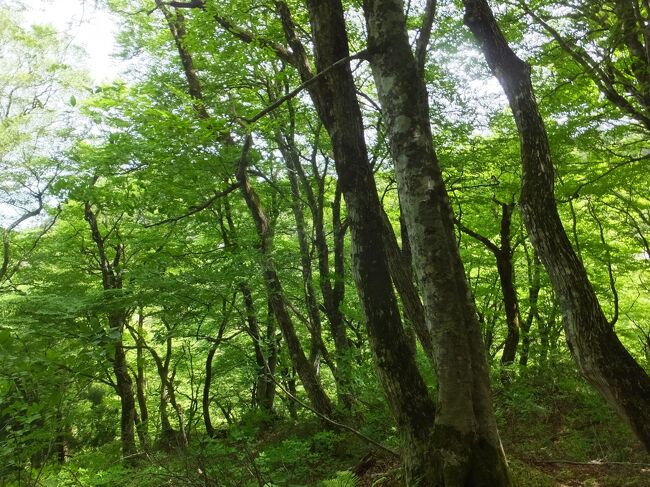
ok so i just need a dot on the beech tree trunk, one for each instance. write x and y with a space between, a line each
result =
401 273
466 446
334 96
319 400
599 353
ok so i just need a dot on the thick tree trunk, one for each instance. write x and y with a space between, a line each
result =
335 99
465 442
401 273
599 353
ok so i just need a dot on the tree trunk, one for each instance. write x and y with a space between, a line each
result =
335 99
401 273
264 388
143 424
124 387
599 353
319 400
205 398
288 150
465 444
504 255
534 286
506 271
111 272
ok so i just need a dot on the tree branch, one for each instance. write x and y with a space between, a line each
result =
196 209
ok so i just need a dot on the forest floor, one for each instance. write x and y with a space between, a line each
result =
556 432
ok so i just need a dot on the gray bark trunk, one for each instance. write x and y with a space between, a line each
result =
466 445
335 99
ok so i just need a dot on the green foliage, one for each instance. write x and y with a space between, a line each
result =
342 479
150 169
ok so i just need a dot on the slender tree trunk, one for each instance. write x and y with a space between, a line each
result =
534 287
504 255
332 285
143 424
205 398
288 150
465 442
124 386
264 388
598 352
341 374
505 267
111 272
319 400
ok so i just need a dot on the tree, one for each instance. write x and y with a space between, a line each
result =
597 350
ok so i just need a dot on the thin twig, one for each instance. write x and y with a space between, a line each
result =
359 55
331 421
196 209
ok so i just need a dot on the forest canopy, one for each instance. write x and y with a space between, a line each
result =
328 243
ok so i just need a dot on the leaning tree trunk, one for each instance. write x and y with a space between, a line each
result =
307 373
466 445
601 356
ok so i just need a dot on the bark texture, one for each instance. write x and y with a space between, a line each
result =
600 355
334 96
465 441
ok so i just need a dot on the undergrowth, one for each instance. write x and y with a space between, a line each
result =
555 430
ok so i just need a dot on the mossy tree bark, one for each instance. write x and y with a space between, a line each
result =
465 442
334 97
